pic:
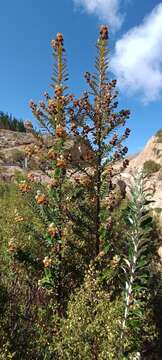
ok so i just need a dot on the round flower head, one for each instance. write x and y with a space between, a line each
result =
125 163
11 246
73 126
53 43
42 104
24 187
19 218
47 262
29 151
30 177
58 90
59 38
52 154
52 230
53 183
32 104
60 132
58 41
46 95
41 199
51 108
104 32
61 162
115 261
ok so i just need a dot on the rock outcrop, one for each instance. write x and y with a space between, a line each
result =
152 151
14 160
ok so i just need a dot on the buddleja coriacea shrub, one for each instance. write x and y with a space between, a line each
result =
90 276
73 206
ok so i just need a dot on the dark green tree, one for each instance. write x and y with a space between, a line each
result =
9 122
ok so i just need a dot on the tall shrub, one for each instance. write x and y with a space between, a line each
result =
77 204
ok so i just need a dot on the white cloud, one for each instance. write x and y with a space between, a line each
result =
137 59
106 10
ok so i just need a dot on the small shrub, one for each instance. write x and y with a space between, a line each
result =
159 136
33 164
17 156
150 167
12 156
158 210
2 155
160 174
92 328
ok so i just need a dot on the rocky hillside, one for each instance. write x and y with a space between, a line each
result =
152 151
12 159
12 152
150 159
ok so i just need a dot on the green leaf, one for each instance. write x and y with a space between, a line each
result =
57 172
106 248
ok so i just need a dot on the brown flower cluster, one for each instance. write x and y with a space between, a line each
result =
29 151
104 32
58 90
58 42
83 179
35 109
12 246
54 105
53 183
109 223
24 187
114 139
32 150
60 132
41 199
52 230
61 162
73 127
125 163
52 155
47 262
19 219
115 261
30 177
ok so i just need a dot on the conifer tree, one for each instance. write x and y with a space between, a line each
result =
9 122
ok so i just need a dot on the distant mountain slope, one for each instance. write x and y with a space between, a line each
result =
12 159
12 152
151 151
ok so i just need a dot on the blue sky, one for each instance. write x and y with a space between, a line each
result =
27 27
